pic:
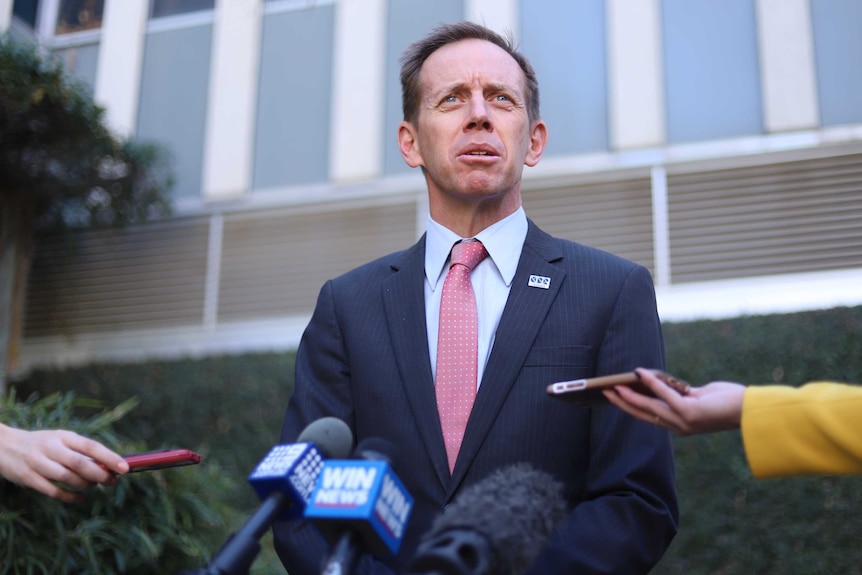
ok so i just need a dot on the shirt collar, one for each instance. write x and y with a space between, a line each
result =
503 240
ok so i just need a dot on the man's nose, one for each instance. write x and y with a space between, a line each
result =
479 116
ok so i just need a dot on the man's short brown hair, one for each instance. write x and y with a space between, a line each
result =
415 55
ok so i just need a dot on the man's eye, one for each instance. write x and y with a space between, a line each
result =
502 98
450 99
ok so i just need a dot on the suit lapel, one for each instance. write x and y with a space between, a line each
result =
522 317
404 302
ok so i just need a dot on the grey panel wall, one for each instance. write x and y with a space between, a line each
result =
292 134
276 263
147 276
769 215
712 76
154 276
407 21
565 41
784 217
838 54
615 216
174 95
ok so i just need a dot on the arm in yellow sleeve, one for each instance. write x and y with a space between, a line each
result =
815 429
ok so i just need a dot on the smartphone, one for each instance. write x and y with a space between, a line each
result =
588 391
150 460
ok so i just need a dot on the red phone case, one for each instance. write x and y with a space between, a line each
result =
150 460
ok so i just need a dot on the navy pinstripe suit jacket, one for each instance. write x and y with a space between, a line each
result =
364 359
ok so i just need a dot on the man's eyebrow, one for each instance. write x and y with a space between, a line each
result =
448 88
490 87
501 87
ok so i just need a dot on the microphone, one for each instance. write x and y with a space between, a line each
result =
360 504
292 469
283 480
496 526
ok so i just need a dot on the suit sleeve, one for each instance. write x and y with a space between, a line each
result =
811 430
628 515
322 389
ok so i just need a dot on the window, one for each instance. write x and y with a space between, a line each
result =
78 15
565 41
25 10
52 18
161 8
295 88
712 77
837 51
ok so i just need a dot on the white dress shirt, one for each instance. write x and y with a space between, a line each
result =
491 278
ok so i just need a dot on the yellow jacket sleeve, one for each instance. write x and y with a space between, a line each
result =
815 429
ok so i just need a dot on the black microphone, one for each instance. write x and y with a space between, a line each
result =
283 480
496 526
360 504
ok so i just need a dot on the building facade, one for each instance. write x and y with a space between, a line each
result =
717 142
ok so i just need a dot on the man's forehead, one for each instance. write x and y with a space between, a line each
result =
468 61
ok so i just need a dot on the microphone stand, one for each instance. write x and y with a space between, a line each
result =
241 548
342 559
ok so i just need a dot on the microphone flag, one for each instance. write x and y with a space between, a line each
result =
290 469
365 497
283 481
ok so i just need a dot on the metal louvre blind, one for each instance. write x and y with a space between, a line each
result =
614 216
789 217
106 280
277 264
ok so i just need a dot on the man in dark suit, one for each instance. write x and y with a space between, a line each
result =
547 310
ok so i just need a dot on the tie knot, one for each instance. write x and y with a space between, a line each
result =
468 253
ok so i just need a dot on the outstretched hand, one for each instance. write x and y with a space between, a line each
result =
56 462
716 406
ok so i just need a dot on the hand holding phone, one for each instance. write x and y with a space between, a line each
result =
588 391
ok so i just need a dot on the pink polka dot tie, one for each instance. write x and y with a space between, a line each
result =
457 346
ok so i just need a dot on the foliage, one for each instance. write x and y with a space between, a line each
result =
231 407
149 522
787 349
58 156
730 523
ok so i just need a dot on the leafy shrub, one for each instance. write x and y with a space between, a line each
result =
731 523
228 408
152 522
58 156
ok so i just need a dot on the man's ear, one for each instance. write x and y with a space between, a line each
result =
409 145
538 141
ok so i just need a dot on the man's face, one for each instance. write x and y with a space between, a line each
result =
472 134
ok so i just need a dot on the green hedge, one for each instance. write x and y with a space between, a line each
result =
230 408
730 522
146 523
